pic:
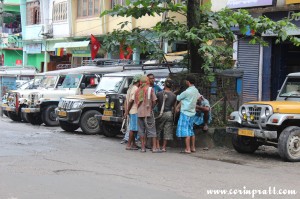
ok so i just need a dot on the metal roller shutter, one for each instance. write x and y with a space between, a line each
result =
248 60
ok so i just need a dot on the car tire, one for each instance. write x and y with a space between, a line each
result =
89 123
34 119
69 127
109 130
5 113
289 144
14 116
49 116
244 144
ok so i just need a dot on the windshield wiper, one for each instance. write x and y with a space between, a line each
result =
291 95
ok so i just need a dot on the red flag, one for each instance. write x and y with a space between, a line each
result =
121 51
129 51
95 45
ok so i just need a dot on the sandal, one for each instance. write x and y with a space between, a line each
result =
143 150
187 152
163 150
156 151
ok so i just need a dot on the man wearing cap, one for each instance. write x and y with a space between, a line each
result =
145 99
131 109
188 99
166 100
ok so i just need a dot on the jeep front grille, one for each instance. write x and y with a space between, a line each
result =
66 104
256 112
33 97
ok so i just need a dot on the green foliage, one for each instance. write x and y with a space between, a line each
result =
213 36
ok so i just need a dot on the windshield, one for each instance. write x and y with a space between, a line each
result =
71 81
291 88
109 84
48 82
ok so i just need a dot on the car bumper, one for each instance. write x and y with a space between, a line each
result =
7 108
30 110
109 118
250 132
72 116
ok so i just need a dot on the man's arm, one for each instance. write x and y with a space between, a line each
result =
181 96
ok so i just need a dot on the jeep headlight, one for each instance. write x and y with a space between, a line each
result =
107 102
112 105
77 105
267 112
121 100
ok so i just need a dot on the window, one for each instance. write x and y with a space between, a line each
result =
60 12
87 8
118 2
33 13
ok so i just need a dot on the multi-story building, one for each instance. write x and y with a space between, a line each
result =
49 25
10 29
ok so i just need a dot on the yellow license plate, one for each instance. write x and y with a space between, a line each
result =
8 109
27 110
246 132
106 118
108 113
62 113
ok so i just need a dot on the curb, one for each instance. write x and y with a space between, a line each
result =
214 137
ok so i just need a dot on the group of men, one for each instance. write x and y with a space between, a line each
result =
150 111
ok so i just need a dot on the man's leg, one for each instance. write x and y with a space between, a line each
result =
188 144
193 147
206 118
143 143
164 147
130 140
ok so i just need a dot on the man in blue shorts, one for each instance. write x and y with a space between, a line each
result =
131 109
188 100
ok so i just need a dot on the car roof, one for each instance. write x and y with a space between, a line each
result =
156 72
86 69
294 74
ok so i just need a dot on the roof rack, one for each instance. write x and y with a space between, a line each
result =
150 66
3 68
105 62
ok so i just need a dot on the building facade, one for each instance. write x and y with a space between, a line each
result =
10 32
265 68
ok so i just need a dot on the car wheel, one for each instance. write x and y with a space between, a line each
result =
34 119
244 144
89 123
69 127
49 116
109 130
289 144
14 116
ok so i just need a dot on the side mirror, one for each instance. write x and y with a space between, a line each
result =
82 86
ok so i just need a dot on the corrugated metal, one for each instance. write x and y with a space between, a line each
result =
248 60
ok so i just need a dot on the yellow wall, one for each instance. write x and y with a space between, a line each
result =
292 1
100 26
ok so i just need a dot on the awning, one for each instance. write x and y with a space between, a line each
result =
72 44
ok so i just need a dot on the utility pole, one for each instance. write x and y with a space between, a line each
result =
1 30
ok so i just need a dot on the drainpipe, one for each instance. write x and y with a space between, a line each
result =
23 13
70 18
45 15
260 72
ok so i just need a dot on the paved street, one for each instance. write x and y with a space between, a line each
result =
42 162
